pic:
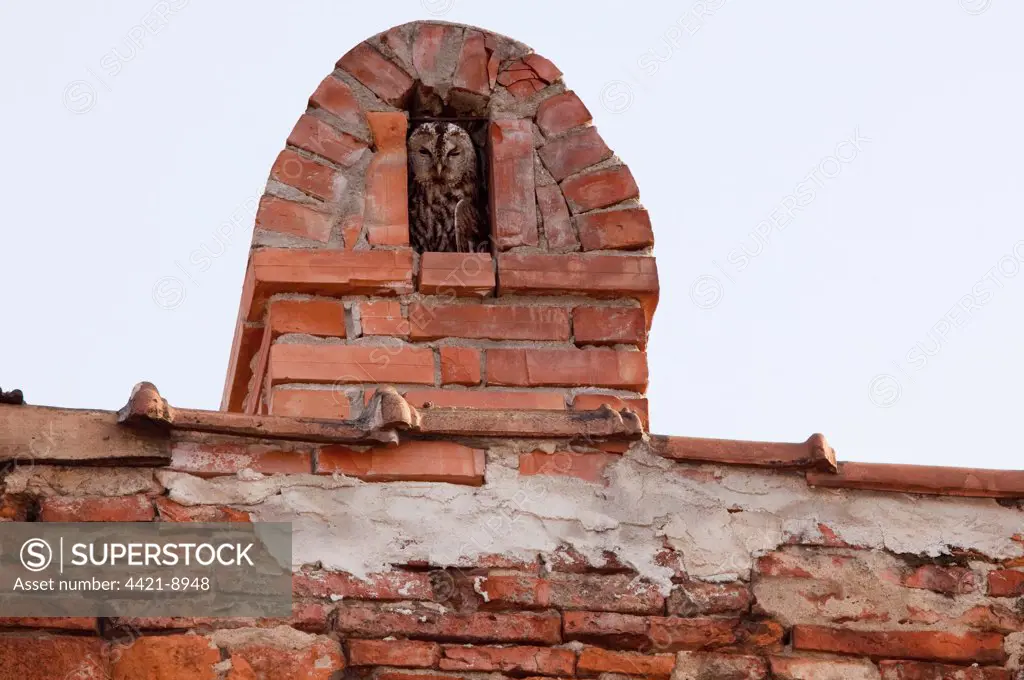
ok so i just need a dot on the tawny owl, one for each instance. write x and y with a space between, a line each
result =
445 198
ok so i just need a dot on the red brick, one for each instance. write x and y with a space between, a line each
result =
304 174
295 219
386 213
515 72
586 466
574 152
622 593
491 322
947 580
460 366
325 272
811 668
211 460
609 326
457 274
562 112
335 97
913 670
383 317
623 631
388 585
513 197
15 507
556 220
95 509
290 363
382 77
594 661
481 399
916 645
574 274
697 634
329 404
543 67
400 653
592 402
625 229
166 657
567 367
1005 583
311 317
320 660
169 511
413 461
383 674
317 137
696 598
710 666
525 88
599 189
539 660
39 657
471 73
514 589
419 621
431 43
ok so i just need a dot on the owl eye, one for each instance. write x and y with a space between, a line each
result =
424 152
454 152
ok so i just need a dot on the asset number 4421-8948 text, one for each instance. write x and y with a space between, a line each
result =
175 583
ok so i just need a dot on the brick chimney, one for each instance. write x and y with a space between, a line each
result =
335 302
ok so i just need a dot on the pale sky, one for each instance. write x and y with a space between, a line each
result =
834 187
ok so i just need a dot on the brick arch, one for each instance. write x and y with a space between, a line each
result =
340 181
336 303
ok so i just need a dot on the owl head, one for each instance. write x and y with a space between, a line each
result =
441 153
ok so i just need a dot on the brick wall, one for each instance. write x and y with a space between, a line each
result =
336 302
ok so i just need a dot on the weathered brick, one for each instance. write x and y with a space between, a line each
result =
379 75
416 461
330 404
320 660
599 189
456 274
562 112
388 585
915 645
166 658
592 402
492 322
586 466
386 213
804 668
622 631
543 67
312 317
399 653
567 367
1005 583
711 666
914 670
45 657
336 97
609 326
415 621
295 219
294 363
431 44
317 137
594 661
625 229
460 366
513 203
574 274
305 174
696 598
471 73
555 217
697 634
574 152
405 675
487 399
211 460
169 511
947 580
95 509
539 660
383 317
